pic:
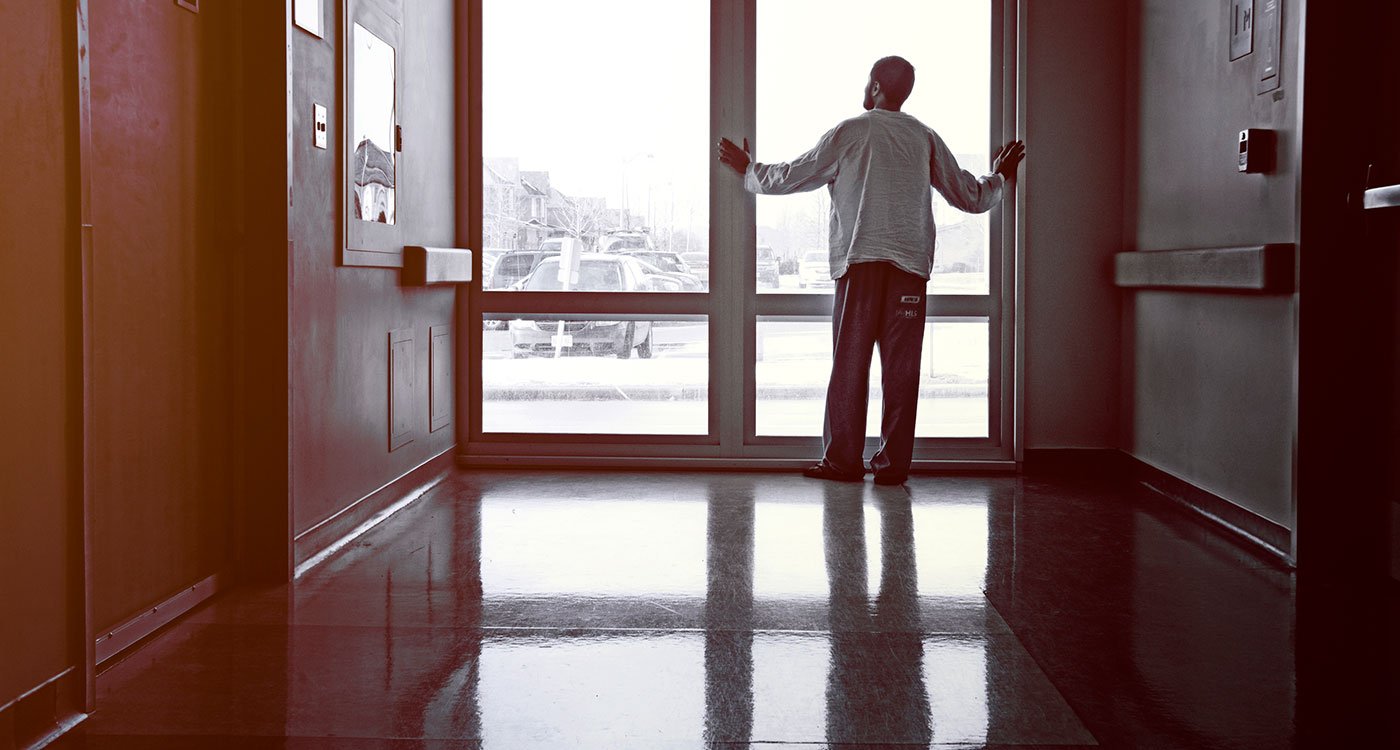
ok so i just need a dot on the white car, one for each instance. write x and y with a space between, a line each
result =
814 270
622 241
699 264
596 273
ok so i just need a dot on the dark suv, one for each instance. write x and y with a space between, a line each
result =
767 267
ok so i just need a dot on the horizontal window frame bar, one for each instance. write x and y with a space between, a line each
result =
802 449
672 462
819 305
591 316
871 442
516 439
645 304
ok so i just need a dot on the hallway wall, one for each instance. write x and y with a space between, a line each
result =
1210 375
40 390
341 316
164 465
1072 183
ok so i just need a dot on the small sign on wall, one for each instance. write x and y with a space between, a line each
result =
307 14
1269 23
1241 28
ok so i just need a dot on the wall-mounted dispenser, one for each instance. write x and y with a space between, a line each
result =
1257 149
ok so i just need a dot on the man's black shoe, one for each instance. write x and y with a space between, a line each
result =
824 471
889 481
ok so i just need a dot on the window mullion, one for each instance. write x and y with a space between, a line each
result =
732 108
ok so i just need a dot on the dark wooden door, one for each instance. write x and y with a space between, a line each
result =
1348 397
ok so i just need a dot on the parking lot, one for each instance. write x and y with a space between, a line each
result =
668 394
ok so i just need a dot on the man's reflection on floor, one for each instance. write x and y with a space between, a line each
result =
875 683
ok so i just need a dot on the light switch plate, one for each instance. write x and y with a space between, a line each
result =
320 116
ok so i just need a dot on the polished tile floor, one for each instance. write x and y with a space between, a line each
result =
526 610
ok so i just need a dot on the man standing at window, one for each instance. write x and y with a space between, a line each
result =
879 168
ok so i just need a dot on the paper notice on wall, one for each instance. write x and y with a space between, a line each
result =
1267 22
307 14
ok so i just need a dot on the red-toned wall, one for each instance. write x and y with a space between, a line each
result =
1210 378
1073 205
341 316
40 457
164 357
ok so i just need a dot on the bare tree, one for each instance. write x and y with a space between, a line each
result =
582 218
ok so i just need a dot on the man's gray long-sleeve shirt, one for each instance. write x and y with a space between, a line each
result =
879 168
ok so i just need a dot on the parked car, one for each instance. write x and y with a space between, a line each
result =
661 281
670 264
767 267
515 265
622 240
699 264
814 269
596 273
962 248
489 256
664 260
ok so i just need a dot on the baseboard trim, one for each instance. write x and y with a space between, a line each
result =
138 628
1270 537
45 712
1240 524
314 544
683 463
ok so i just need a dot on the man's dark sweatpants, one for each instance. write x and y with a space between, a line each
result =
875 303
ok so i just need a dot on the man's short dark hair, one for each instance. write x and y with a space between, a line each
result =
896 77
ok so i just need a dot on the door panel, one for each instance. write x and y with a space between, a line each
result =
161 388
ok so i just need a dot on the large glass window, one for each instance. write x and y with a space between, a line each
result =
566 375
600 189
794 363
801 95
595 128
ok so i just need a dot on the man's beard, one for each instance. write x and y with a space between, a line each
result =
869 102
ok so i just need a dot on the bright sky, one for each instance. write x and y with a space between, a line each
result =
612 96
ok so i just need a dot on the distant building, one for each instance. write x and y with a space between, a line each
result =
513 205
521 209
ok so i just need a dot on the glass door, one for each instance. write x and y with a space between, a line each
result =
800 95
595 224
635 302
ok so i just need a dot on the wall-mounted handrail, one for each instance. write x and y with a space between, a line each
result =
1381 197
1266 269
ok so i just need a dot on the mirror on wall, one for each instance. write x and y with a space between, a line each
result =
372 126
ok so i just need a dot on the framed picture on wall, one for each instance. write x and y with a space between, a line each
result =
373 140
